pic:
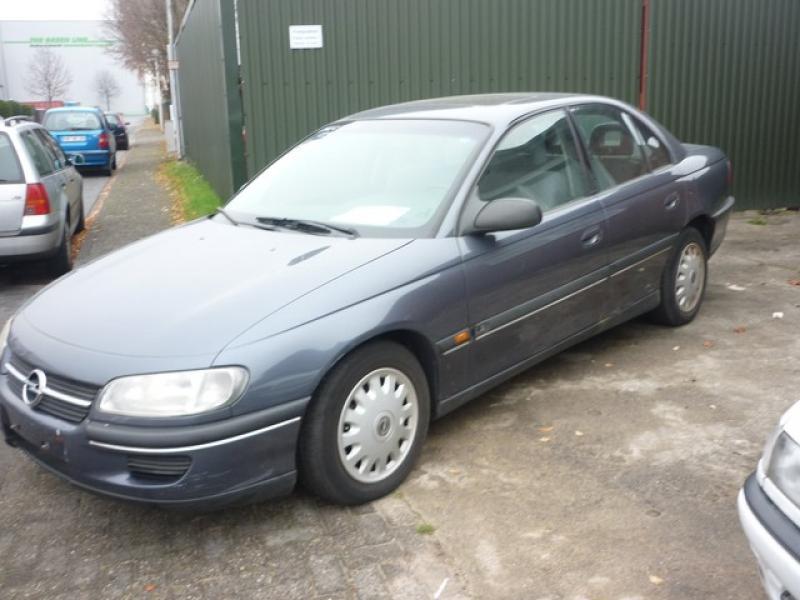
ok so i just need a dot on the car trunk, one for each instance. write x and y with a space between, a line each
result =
12 205
78 140
12 188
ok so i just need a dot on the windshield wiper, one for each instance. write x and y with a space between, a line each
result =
221 211
307 226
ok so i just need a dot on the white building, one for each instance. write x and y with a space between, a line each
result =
83 47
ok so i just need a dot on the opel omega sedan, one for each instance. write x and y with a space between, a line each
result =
769 510
387 269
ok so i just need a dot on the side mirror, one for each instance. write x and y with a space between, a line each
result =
507 214
127 123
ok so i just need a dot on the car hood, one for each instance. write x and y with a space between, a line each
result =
191 290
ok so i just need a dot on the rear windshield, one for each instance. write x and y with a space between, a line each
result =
10 171
78 120
112 120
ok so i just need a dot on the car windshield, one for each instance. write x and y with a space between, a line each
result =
378 178
76 120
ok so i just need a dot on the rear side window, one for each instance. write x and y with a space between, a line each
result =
614 154
40 157
10 169
52 148
77 120
654 149
537 159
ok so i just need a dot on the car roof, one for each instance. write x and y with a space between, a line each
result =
494 109
74 109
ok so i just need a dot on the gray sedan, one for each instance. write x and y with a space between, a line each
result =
386 270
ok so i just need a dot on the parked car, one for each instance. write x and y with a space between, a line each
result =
769 509
119 127
389 268
84 135
41 196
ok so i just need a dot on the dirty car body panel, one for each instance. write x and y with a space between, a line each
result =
289 305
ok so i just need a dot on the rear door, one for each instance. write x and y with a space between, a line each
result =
12 187
529 290
644 206
69 177
52 179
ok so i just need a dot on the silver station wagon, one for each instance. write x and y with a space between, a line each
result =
387 269
41 196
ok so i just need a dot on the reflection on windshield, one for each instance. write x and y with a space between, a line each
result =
393 175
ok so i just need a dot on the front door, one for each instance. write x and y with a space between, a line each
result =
530 289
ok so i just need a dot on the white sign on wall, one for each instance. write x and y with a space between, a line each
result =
302 37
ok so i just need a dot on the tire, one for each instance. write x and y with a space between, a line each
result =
688 263
82 218
61 262
393 427
114 162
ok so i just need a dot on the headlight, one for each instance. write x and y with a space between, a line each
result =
784 467
173 394
4 336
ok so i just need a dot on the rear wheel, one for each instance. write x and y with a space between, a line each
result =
683 282
61 262
82 217
365 426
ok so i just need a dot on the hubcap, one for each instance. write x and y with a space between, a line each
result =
377 425
690 278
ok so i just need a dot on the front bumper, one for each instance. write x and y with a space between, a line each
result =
207 466
774 539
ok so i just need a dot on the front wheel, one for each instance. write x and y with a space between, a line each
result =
365 426
683 282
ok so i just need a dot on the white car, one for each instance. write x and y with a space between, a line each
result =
769 509
41 196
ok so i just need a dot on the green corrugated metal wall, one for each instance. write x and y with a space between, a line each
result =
722 72
727 73
210 100
383 51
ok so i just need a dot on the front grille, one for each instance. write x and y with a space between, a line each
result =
158 467
50 404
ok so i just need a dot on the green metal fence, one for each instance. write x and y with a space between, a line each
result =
210 101
727 73
722 72
383 51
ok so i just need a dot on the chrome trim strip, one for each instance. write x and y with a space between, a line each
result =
179 449
47 391
454 348
540 309
639 262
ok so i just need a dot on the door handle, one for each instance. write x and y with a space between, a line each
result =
591 237
671 201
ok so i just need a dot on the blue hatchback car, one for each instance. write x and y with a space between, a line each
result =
84 135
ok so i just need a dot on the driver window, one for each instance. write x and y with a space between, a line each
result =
538 160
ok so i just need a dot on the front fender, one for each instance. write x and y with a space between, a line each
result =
290 363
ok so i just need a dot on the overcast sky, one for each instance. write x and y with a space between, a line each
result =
52 10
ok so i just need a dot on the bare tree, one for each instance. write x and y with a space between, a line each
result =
139 30
48 76
106 86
